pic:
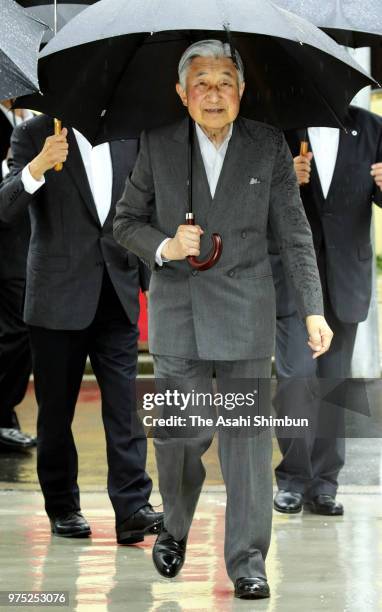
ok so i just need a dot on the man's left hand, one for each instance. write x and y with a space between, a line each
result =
320 334
376 172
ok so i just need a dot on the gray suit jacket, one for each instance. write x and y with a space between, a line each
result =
227 312
69 248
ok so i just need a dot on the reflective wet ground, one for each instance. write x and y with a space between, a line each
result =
315 563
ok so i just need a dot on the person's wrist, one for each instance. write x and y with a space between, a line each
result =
167 250
37 169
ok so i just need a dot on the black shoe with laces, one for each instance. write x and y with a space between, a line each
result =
14 440
142 522
288 502
70 525
325 505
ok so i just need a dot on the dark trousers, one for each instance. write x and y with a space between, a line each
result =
59 359
15 356
312 461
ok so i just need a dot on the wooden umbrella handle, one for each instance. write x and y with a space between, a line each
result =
57 131
304 147
213 257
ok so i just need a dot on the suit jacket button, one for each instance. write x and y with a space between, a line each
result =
243 234
194 272
231 274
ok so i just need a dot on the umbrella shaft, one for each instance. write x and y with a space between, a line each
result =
55 17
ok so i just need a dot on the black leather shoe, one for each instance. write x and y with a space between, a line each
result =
15 440
252 588
288 502
169 554
71 525
324 504
143 521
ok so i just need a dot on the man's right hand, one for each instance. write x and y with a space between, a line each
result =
185 242
54 151
302 168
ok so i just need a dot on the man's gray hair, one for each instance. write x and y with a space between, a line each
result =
207 48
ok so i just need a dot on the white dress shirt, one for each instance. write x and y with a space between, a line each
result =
213 159
99 170
324 142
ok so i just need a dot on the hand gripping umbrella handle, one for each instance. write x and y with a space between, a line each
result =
57 131
213 257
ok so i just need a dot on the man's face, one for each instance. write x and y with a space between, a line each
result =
212 93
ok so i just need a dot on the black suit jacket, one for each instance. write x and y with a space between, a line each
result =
69 248
341 223
14 237
5 138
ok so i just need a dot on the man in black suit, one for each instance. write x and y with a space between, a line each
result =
15 357
340 178
81 299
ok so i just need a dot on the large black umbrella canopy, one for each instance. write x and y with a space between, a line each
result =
20 38
44 10
354 23
111 71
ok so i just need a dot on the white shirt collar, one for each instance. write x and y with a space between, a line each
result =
203 138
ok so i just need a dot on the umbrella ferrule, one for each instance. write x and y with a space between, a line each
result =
231 45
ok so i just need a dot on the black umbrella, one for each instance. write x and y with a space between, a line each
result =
20 38
354 23
56 14
111 72
55 19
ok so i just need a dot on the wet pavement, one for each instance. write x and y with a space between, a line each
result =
315 563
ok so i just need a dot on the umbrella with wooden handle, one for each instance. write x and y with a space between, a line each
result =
57 123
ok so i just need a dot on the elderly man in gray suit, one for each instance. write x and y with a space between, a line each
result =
221 320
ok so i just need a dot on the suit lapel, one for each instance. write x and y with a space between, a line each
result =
177 155
236 169
75 167
315 183
117 163
347 150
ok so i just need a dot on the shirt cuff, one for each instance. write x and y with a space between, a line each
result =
30 183
158 254
4 168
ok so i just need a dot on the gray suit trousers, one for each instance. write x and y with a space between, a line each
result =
245 463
